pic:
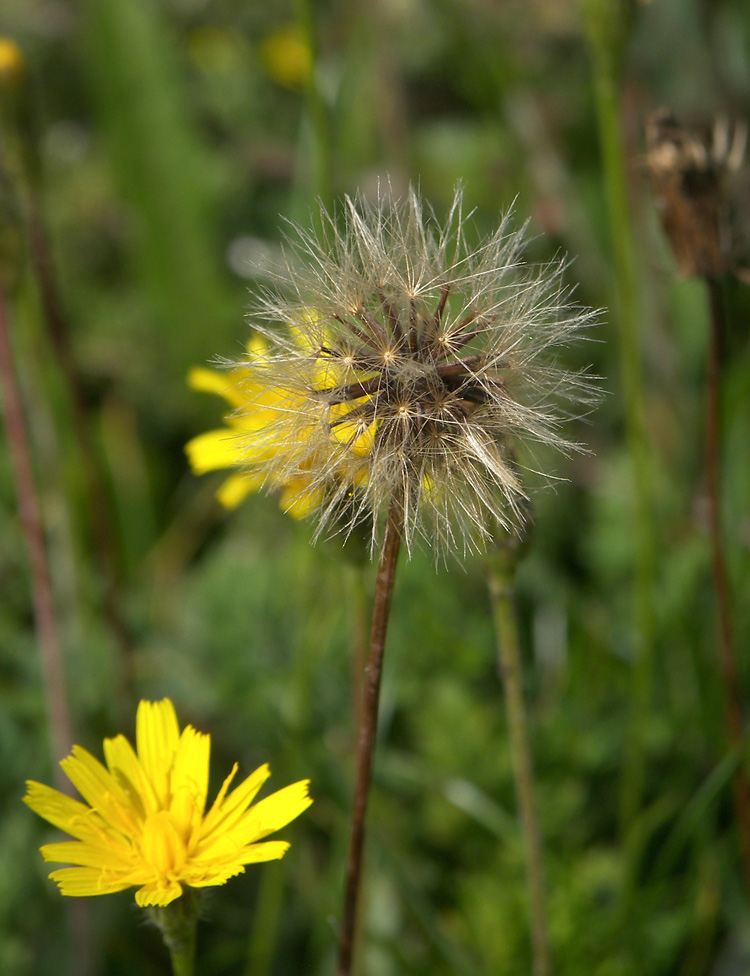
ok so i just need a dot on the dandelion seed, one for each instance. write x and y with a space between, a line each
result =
146 825
401 363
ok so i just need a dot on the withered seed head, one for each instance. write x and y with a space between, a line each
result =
694 170
413 367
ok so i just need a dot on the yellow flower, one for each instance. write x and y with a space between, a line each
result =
146 823
12 63
287 57
248 440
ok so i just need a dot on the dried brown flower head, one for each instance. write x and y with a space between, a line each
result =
701 192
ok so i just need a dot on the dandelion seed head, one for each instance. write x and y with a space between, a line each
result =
410 368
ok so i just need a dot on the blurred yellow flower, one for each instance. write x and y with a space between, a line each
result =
249 438
287 58
145 824
12 62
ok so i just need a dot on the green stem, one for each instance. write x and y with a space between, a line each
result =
177 923
606 32
728 663
501 576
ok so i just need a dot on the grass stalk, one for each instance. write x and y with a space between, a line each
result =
20 127
368 731
45 618
605 38
322 153
267 923
729 666
104 544
501 586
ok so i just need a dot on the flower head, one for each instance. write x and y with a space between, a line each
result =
404 367
245 442
146 824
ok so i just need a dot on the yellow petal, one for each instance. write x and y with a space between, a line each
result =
162 847
256 346
64 812
158 894
299 502
130 774
216 805
82 882
189 779
215 450
222 815
271 850
237 487
157 735
226 384
201 876
101 790
114 857
272 813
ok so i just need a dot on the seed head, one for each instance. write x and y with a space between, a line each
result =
404 367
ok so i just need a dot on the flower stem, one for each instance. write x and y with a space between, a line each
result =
500 578
368 729
177 923
358 599
727 655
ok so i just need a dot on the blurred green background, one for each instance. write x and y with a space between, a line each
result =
173 138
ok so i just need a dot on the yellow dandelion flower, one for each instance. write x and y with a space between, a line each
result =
248 442
146 824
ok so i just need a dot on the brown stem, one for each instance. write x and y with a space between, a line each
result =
393 319
438 316
368 730
352 391
500 582
727 655
31 523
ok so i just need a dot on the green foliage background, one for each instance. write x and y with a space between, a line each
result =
170 156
